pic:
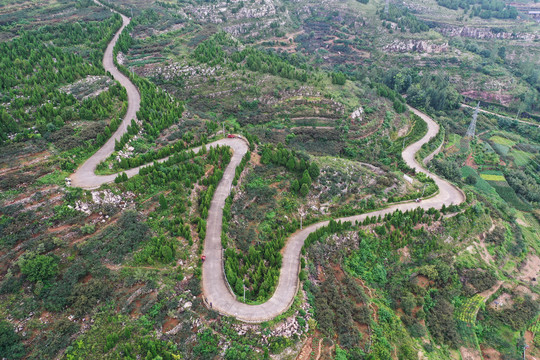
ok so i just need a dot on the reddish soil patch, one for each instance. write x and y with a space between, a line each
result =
404 254
320 273
136 309
422 281
86 278
470 162
255 158
491 354
338 272
500 97
529 337
59 228
169 324
470 354
487 293
306 350
530 269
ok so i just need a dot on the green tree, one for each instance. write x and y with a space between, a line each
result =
340 354
306 179
291 164
40 267
166 253
471 180
304 190
10 342
314 170
207 345
163 202
295 185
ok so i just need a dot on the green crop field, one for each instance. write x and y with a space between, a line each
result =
509 195
453 140
481 184
492 177
521 158
467 312
502 141
501 149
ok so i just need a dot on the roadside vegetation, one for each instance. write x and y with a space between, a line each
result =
321 97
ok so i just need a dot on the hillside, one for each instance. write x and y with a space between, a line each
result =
269 179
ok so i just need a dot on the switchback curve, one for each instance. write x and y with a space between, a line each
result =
214 284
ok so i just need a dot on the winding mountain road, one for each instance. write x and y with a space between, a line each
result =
84 176
214 284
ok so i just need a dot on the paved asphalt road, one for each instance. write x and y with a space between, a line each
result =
215 288
84 176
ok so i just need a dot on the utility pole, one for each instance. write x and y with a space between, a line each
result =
244 292
302 213
472 127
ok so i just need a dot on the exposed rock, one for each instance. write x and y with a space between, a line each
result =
420 46
357 114
105 197
485 33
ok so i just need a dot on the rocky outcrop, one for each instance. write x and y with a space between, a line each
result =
104 197
358 114
485 33
235 10
420 46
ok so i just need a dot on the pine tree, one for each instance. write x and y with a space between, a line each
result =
291 163
306 179
304 190
314 170
295 186
163 202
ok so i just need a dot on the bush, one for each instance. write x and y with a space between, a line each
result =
88 229
39 267
470 180
10 342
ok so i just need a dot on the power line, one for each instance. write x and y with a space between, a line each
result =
471 131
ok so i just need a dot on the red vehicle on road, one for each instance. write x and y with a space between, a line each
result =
231 136
203 258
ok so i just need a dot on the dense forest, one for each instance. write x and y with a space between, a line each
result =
31 73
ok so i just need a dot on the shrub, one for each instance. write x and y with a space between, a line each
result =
39 267
10 342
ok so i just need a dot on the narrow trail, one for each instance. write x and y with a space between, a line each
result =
214 284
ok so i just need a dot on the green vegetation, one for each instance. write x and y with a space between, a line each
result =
32 72
320 92
10 343
404 19
484 9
